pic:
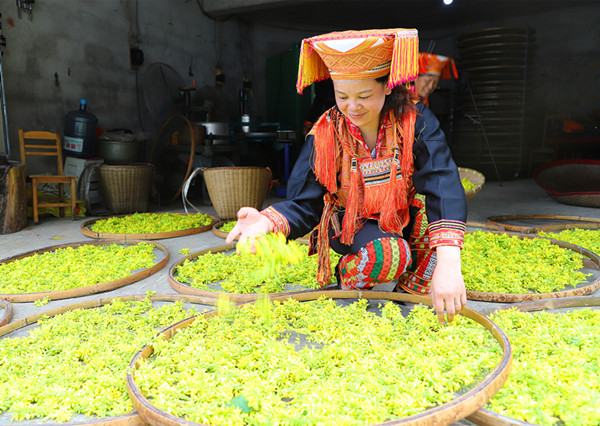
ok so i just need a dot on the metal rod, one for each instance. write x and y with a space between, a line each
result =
2 96
483 132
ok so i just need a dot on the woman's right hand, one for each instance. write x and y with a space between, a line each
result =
250 224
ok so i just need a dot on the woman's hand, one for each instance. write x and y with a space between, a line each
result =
447 284
250 224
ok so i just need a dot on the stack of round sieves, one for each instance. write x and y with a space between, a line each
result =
495 65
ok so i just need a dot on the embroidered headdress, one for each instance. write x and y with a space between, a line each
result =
359 55
437 65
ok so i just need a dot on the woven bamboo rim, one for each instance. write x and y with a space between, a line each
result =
485 225
462 406
86 230
234 297
87 290
498 220
130 419
475 177
486 417
218 232
561 227
591 260
585 200
7 312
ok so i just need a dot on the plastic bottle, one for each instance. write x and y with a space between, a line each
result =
80 132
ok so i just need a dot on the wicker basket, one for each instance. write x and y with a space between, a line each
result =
126 188
575 182
475 177
231 188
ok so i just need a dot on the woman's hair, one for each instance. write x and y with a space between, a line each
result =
400 100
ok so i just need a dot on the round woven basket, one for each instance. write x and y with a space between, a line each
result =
575 182
475 177
126 188
231 188
464 404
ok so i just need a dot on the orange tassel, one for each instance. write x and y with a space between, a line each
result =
405 59
349 225
326 152
408 138
449 70
324 264
396 200
311 67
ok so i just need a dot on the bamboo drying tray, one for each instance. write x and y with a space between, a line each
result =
217 231
484 226
92 289
185 288
87 231
7 312
486 417
574 182
591 260
504 221
445 414
131 419
557 227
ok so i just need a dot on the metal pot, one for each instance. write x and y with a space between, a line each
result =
118 152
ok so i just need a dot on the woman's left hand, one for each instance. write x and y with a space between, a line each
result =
447 285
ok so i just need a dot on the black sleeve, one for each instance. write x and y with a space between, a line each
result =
304 204
436 174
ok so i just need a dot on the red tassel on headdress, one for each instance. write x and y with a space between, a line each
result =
350 223
449 70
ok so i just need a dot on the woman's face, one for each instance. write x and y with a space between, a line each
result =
361 101
426 84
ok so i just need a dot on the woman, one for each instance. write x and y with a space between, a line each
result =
363 161
431 69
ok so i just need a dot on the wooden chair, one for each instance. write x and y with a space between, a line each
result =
47 144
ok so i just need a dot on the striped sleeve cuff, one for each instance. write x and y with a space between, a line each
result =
280 223
447 233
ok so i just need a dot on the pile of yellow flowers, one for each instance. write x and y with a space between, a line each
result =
74 267
150 223
586 238
227 226
555 377
275 264
501 263
314 363
75 363
467 184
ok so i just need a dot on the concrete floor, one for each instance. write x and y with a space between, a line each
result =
514 197
522 196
